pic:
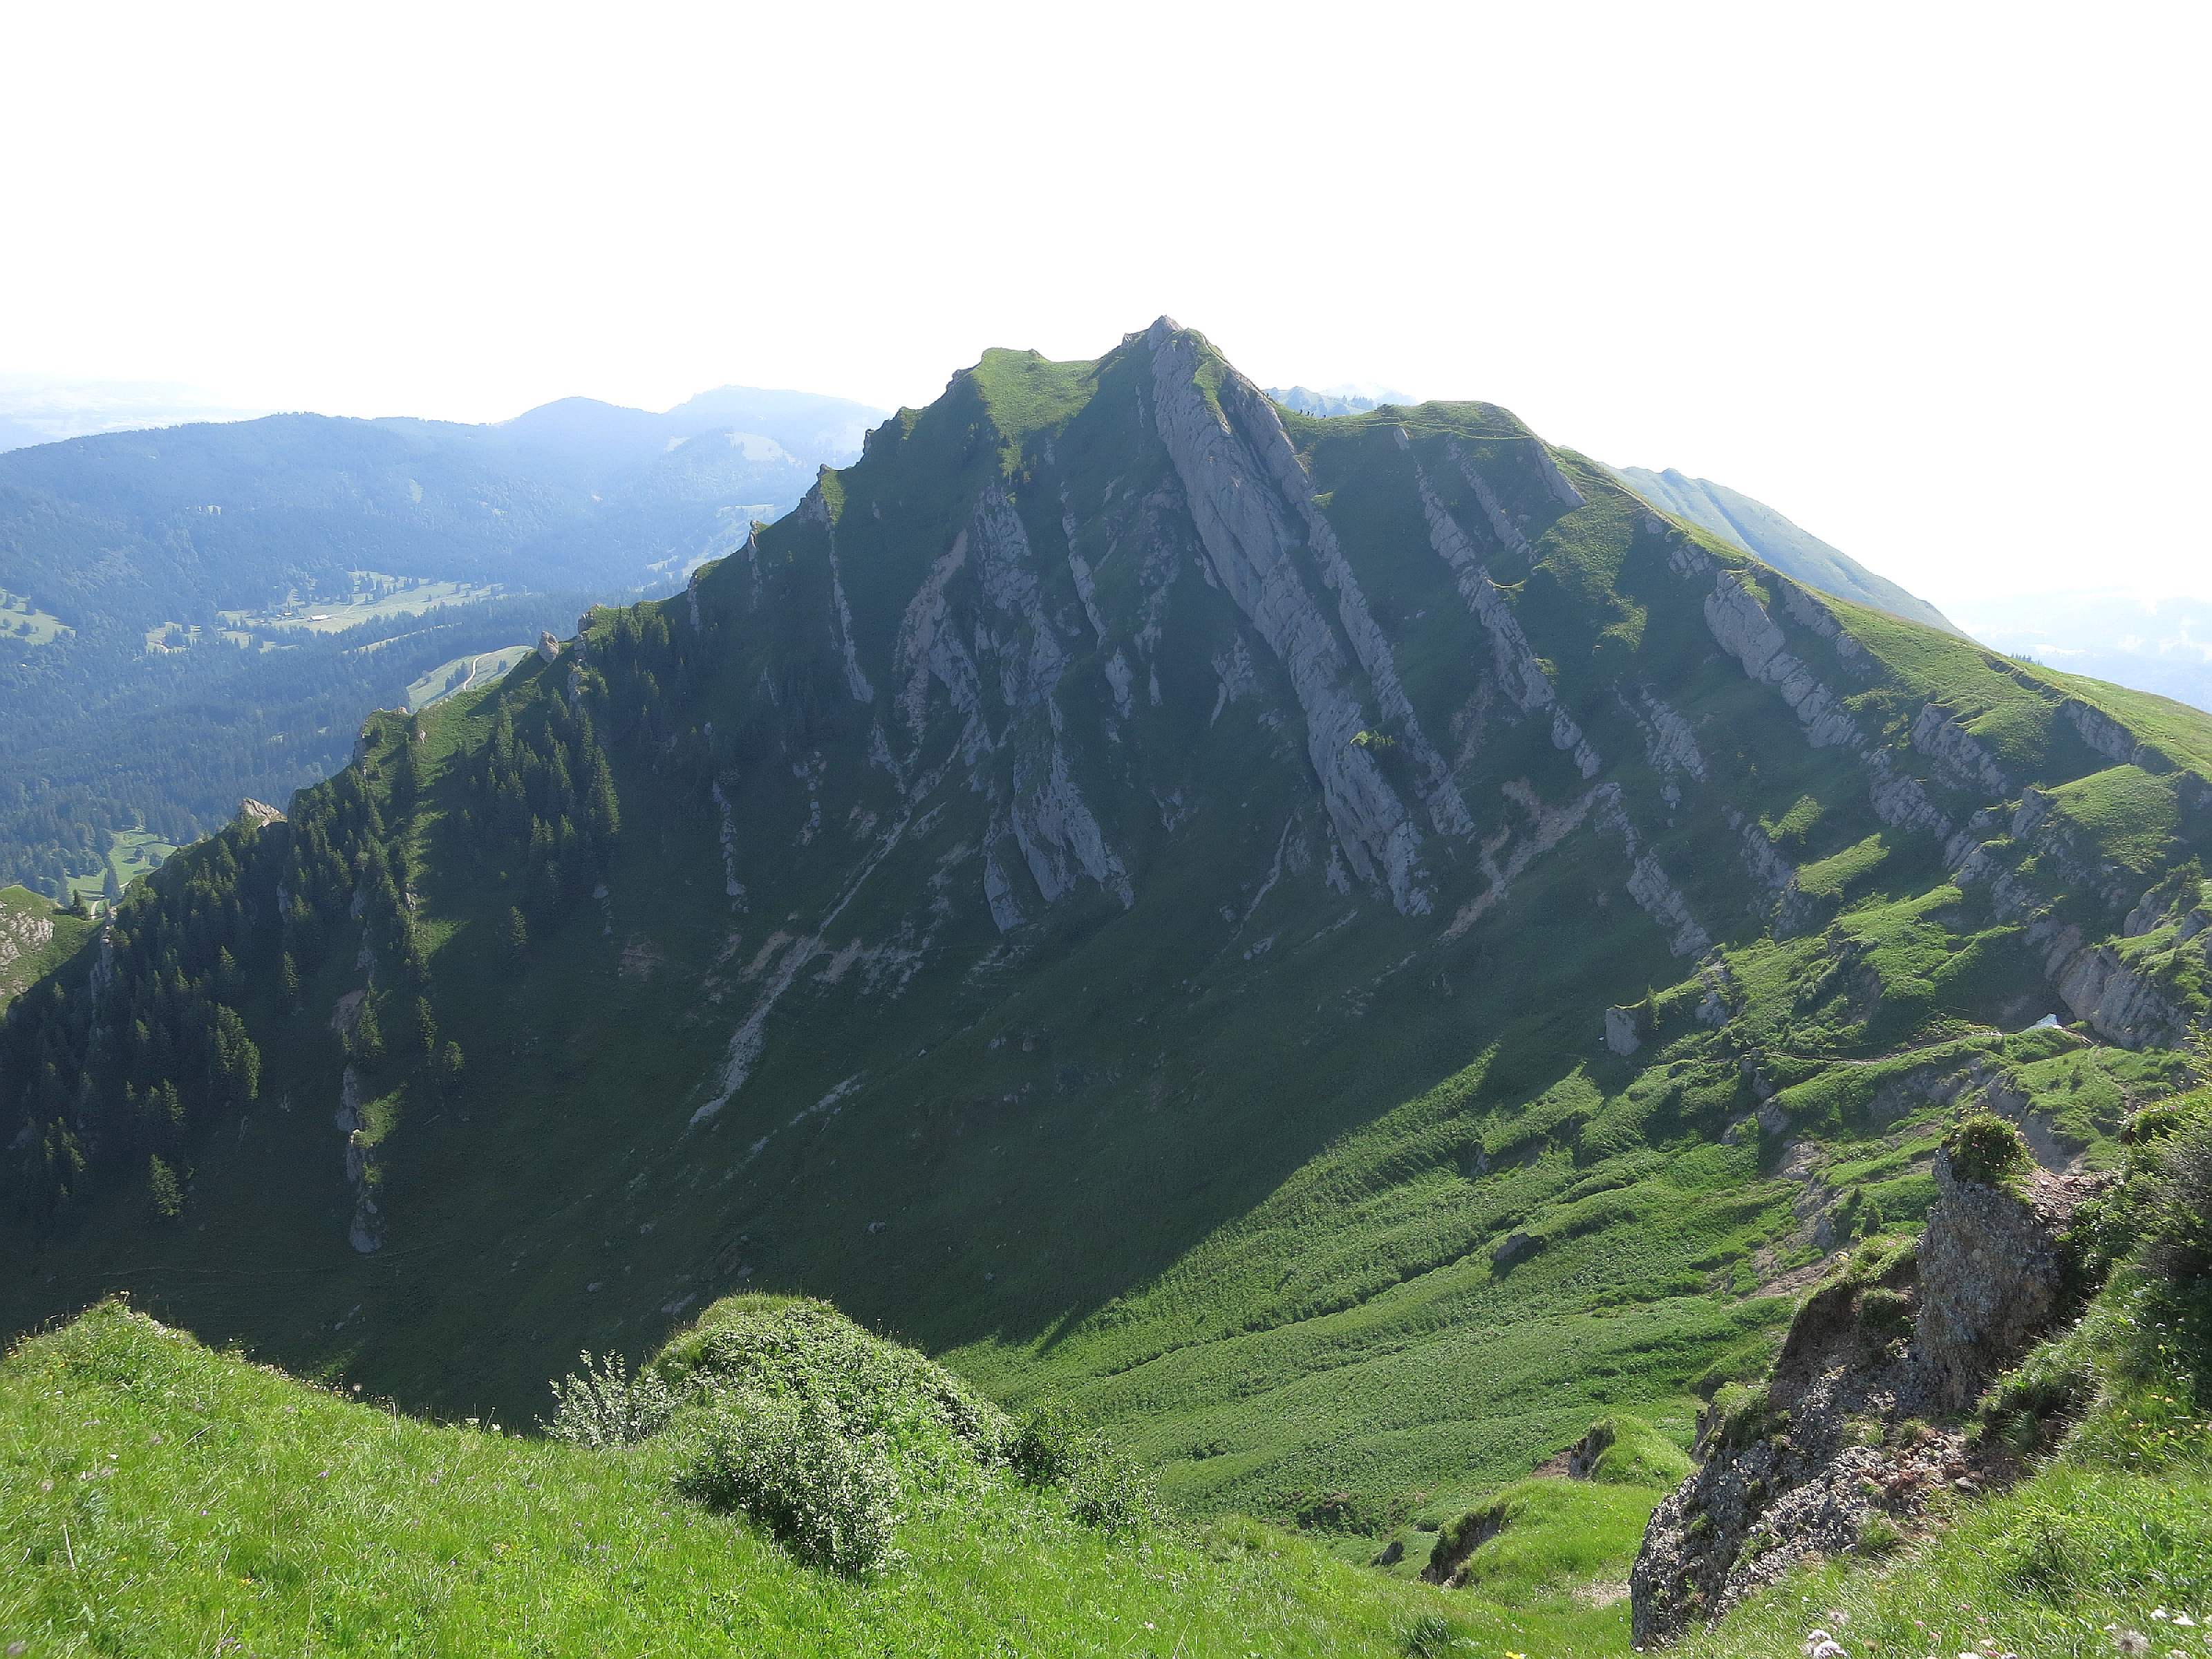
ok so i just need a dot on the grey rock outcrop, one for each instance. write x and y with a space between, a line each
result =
1668 742
1519 671
1990 1277
22 934
928 646
1648 883
365 1230
1741 625
1051 824
2097 984
1955 753
1787 1474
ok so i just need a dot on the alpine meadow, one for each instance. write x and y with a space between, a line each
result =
1154 1023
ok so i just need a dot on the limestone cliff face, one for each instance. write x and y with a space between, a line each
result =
1233 480
1397 614
22 934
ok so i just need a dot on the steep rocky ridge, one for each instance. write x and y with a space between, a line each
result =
1347 945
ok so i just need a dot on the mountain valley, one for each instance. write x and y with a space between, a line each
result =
235 597
1345 950
1152 895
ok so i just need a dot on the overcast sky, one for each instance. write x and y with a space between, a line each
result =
1930 279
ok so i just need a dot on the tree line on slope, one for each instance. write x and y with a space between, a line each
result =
113 1078
105 739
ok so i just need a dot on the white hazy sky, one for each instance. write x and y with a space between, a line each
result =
1929 278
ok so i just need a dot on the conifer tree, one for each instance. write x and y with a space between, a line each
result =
368 1044
162 1182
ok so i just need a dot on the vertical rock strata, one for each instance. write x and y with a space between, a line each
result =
1248 539
1019 676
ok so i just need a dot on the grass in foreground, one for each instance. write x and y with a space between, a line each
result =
157 1497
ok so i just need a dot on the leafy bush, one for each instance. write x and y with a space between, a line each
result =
2157 1224
1986 1150
797 1348
1045 1451
2179 1247
1107 1491
1104 1488
798 1468
168 1193
606 1405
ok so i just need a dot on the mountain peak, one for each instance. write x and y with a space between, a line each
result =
1017 893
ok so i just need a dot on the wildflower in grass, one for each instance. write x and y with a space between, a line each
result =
1819 1644
2133 1642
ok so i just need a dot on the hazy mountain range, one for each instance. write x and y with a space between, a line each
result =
43 409
199 612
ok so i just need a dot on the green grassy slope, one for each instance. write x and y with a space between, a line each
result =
1757 529
1131 892
161 1498
35 937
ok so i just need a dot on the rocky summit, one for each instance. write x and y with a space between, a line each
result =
1348 947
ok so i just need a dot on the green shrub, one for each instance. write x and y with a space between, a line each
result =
798 1348
606 1405
2157 1224
168 1193
2179 1247
1045 1449
1111 1493
1104 1488
829 1494
1988 1151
